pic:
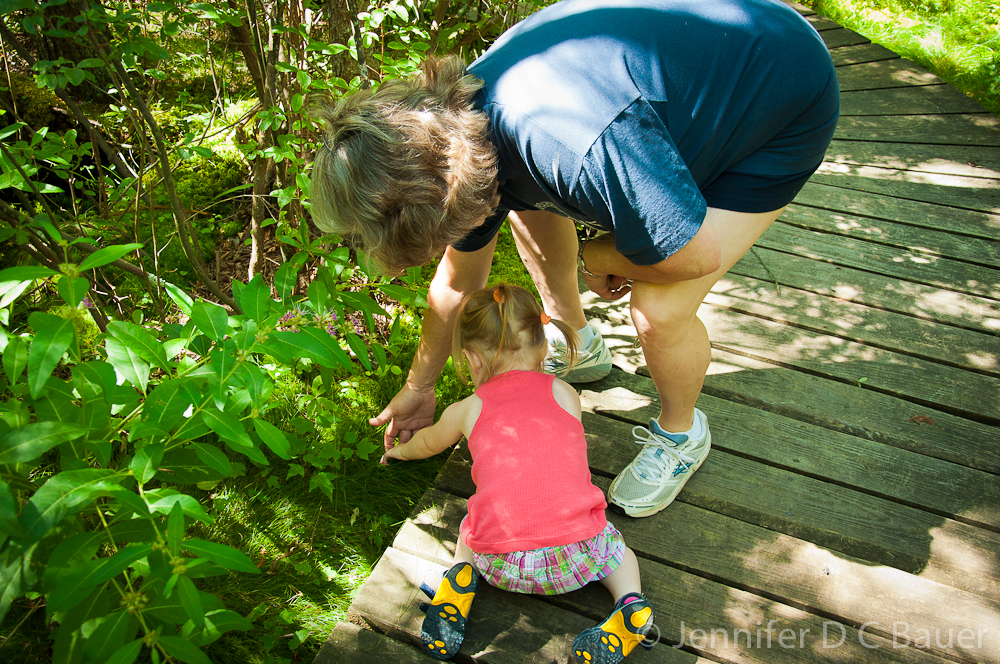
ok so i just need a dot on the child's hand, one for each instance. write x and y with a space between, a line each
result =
391 453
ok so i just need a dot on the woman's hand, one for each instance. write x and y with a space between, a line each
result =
408 412
608 286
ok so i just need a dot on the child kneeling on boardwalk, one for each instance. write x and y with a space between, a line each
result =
536 523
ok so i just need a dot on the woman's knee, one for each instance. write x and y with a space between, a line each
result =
662 313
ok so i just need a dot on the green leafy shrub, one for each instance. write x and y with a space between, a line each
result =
101 456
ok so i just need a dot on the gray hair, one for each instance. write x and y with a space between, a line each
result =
407 170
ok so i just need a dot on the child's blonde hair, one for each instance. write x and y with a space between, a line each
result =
503 319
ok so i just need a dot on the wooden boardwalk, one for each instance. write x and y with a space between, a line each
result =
850 509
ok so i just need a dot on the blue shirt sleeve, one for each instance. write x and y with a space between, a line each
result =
634 182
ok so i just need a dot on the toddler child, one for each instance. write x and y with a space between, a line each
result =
536 523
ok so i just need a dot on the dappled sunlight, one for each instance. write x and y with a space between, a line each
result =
901 175
951 303
932 165
981 361
951 547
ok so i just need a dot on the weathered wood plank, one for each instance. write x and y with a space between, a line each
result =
928 99
925 339
502 628
800 8
847 589
842 37
947 489
886 74
969 161
833 405
854 410
980 129
898 295
985 253
913 213
982 194
852 55
932 385
821 23
860 525
918 267
349 644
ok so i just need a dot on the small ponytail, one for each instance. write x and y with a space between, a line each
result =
499 321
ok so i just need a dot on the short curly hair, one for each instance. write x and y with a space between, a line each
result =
406 170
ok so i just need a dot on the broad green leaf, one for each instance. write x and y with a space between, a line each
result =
404 295
285 278
31 441
184 466
255 300
329 343
141 341
76 585
62 495
107 255
228 427
11 290
184 650
26 273
113 633
180 298
127 362
318 295
175 529
9 524
274 438
146 462
216 624
222 555
292 345
131 501
190 506
190 599
361 302
211 319
94 380
360 349
73 290
166 404
127 654
214 458
15 358
53 337
10 583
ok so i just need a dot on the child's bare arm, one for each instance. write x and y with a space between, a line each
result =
436 438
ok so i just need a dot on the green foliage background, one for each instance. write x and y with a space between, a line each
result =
192 460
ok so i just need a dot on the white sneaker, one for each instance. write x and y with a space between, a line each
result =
592 363
657 475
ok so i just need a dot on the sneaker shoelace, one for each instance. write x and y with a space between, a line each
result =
650 464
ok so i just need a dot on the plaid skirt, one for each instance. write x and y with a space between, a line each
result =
554 570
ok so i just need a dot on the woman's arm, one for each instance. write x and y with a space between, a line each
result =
444 433
412 408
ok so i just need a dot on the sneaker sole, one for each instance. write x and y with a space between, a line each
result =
443 629
620 509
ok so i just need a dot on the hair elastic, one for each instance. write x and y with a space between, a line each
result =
545 318
498 297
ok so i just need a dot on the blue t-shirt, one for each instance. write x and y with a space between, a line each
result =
625 113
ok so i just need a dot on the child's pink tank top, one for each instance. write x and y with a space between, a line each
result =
533 485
